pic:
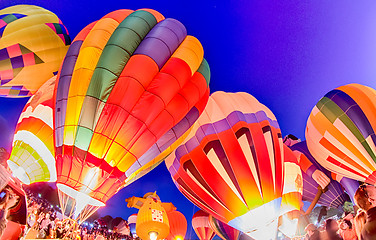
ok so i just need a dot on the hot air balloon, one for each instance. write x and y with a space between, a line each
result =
33 155
293 183
33 43
310 166
231 164
201 225
121 227
178 225
321 175
340 132
152 220
132 84
223 230
350 185
334 196
292 220
292 194
132 224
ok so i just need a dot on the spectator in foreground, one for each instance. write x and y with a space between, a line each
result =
331 229
312 232
7 200
347 231
359 221
365 198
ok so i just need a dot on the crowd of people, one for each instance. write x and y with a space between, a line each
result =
45 221
362 226
332 229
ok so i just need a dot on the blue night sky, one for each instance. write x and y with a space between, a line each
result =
287 54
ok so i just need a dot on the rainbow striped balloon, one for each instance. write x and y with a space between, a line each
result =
340 132
131 85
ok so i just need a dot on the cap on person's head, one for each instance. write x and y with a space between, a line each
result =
310 227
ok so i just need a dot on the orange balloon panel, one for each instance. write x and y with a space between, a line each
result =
231 164
178 225
293 182
131 85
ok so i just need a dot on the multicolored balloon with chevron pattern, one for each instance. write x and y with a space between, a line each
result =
340 132
33 43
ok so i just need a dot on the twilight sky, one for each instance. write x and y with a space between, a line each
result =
287 54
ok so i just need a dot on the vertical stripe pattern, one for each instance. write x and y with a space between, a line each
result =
231 163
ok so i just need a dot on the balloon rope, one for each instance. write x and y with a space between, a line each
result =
63 202
86 213
66 201
320 191
72 206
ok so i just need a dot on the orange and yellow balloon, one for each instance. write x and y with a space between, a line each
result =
340 132
33 43
178 225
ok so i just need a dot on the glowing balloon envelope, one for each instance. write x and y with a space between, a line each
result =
152 220
350 185
131 85
33 43
293 183
231 164
334 196
224 231
340 132
292 194
201 225
132 224
33 154
178 225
